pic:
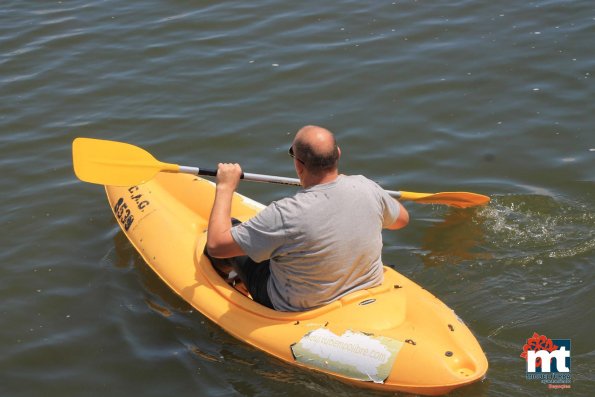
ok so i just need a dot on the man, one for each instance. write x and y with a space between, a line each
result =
315 247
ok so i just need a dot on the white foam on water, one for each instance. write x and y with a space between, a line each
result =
530 228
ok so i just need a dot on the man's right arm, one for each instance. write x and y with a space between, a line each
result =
402 220
220 242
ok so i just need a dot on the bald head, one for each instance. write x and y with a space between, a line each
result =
321 139
317 148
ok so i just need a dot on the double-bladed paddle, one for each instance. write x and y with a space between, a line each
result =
121 164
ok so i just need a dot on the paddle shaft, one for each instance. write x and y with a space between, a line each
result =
281 180
455 199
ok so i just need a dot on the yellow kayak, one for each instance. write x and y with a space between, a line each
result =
394 337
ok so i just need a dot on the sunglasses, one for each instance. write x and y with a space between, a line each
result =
290 152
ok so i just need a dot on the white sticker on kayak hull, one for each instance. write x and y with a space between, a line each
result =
353 354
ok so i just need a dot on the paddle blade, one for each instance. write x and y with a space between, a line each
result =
454 199
114 163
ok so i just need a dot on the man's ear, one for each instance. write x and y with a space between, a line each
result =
299 168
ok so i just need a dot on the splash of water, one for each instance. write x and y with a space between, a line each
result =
530 228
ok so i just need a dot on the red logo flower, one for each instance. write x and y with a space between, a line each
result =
536 343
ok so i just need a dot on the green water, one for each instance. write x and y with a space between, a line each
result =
488 97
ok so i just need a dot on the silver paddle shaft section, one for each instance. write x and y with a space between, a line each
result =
260 178
394 193
247 176
271 179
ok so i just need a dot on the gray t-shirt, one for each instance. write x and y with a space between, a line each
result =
323 243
